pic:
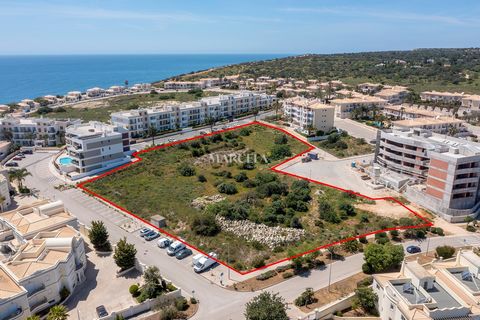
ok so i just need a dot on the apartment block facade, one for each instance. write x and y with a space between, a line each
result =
446 97
441 290
471 102
34 131
96 146
47 261
306 113
441 125
447 168
178 116
345 108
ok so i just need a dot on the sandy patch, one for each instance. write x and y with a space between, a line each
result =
386 209
91 104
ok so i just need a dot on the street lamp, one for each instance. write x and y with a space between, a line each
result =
228 255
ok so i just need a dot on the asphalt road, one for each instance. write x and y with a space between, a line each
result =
215 302
356 129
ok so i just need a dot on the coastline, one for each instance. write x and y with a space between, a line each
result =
32 76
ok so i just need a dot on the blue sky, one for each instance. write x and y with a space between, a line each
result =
243 26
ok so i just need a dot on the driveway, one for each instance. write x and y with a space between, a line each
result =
102 287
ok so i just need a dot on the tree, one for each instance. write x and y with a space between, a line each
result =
380 257
58 312
266 306
153 281
445 252
276 107
307 297
124 255
205 225
18 175
98 236
211 122
151 133
351 246
34 317
255 113
365 298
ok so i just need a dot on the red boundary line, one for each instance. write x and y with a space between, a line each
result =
137 157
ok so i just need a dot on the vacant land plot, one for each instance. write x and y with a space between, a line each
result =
343 145
100 110
218 194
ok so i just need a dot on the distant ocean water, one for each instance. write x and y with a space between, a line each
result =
33 76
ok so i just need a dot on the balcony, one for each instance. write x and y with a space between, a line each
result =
39 305
32 292
16 314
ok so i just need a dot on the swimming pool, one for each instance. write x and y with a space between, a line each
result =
65 161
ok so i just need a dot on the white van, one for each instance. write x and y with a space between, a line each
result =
204 262
175 247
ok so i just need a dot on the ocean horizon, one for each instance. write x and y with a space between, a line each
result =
31 76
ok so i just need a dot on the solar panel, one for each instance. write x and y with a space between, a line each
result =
467 276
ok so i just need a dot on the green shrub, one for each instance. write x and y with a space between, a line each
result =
287 275
64 293
363 240
283 268
258 262
440 232
365 282
227 188
134 290
171 287
193 300
266 275
205 225
201 178
471 228
307 297
181 304
186 170
445 252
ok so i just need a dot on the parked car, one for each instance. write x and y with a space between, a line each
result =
183 254
413 249
11 164
175 247
164 242
27 151
17 158
151 236
101 311
145 231
172 140
20 154
205 262
203 132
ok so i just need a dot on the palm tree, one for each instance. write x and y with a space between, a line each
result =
58 312
276 106
255 113
452 130
402 109
211 122
30 136
152 132
18 175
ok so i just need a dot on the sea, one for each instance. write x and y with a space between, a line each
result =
23 77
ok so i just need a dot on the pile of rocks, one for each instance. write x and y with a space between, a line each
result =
202 202
269 236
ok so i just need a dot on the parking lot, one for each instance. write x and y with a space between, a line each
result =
102 287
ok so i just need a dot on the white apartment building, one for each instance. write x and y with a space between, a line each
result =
177 116
306 113
94 147
441 290
4 192
51 260
346 106
95 92
471 102
73 96
141 87
447 97
183 85
403 112
393 94
368 87
34 131
444 171
441 125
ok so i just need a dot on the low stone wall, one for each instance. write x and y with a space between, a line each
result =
148 305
